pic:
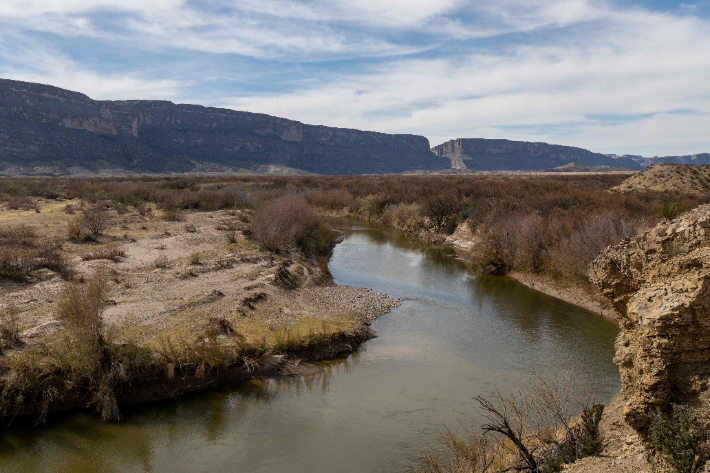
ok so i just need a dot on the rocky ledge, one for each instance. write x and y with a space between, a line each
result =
658 282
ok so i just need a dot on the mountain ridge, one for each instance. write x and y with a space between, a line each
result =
42 125
46 130
481 154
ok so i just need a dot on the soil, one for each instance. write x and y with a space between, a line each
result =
577 295
175 278
624 450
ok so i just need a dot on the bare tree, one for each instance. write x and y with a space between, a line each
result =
440 206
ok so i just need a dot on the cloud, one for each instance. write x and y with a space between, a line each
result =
51 66
642 63
521 69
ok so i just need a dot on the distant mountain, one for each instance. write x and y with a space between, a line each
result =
48 130
701 158
479 154
575 167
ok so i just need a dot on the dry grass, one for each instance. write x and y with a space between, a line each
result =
113 253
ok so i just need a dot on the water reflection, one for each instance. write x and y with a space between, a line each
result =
455 336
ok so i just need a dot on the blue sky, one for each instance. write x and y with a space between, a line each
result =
612 76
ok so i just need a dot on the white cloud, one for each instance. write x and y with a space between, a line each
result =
587 59
639 63
51 66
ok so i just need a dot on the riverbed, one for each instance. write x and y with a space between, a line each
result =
456 335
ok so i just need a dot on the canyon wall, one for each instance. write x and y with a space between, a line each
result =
45 127
660 284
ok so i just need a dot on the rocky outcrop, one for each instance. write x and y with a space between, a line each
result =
700 158
659 283
480 154
47 128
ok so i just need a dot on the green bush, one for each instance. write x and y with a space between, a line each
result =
672 210
671 434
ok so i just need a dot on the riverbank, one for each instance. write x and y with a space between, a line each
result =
191 303
467 245
573 294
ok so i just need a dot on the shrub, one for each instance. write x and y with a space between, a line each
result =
287 222
672 210
163 262
528 431
332 199
230 229
95 222
74 230
16 264
112 254
440 205
80 307
173 214
9 325
672 436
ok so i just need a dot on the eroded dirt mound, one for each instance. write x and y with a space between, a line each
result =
658 282
690 178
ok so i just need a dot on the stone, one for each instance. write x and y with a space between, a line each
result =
662 295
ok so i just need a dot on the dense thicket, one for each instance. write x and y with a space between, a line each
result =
546 224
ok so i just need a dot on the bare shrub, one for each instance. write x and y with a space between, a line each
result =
9 325
372 205
575 252
74 230
16 264
162 262
49 256
440 205
95 222
20 235
531 431
113 253
231 230
173 214
288 222
21 203
332 199
471 452
195 259
80 307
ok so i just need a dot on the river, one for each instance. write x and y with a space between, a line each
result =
455 336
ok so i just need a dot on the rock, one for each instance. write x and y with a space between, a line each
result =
481 154
41 330
49 130
658 282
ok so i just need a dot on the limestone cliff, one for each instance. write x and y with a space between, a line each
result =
44 127
480 154
659 283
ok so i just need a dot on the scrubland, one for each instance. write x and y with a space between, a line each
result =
106 301
127 290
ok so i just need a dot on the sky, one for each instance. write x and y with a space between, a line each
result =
624 77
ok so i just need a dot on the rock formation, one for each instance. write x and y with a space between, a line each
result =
480 154
44 129
659 283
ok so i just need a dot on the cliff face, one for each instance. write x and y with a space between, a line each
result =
480 154
660 284
701 158
42 125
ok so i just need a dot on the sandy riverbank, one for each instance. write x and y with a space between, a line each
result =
192 303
